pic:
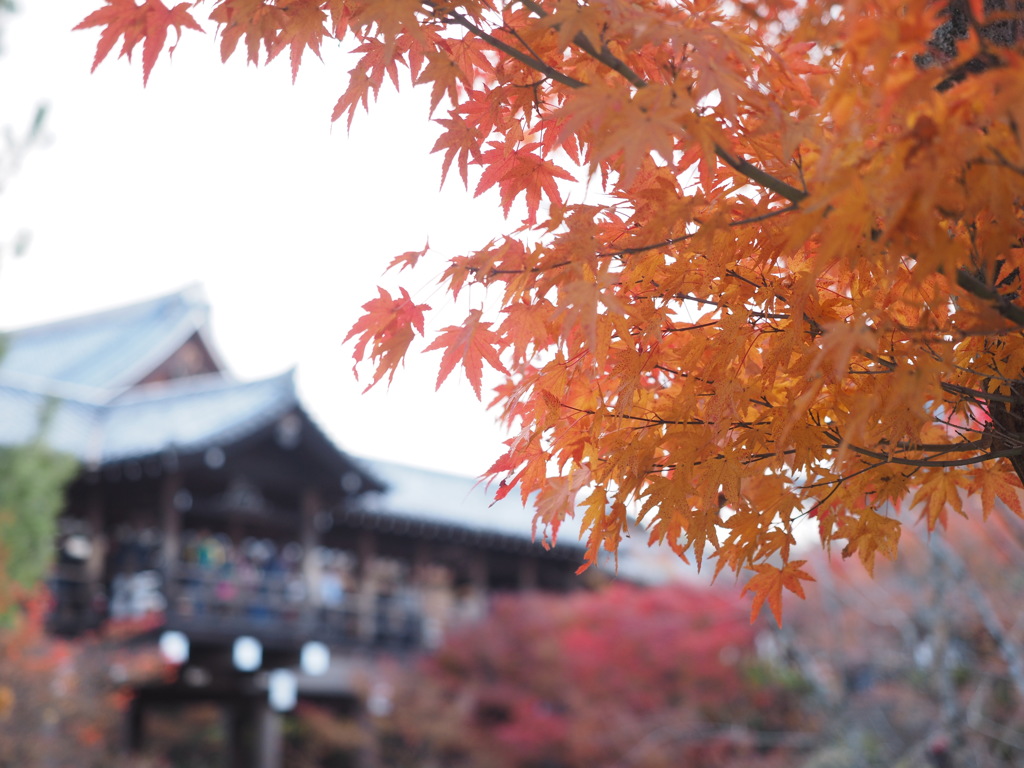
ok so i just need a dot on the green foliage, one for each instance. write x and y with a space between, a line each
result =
32 483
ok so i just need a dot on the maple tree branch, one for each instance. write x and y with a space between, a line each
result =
977 287
982 443
702 302
836 485
965 447
654 246
761 177
1004 162
524 58
690 235
529 48
741 166
934 463
837 481
694 327
753 458
978 395
657 421
603 55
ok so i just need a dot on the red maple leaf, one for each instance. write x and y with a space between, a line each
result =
256 20
472 343
520 170
148 23
304 28
389 324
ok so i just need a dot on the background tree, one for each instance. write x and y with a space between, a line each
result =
62 703
32 482
618 677
920 665
768 262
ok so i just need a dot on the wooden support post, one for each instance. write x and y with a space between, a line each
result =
135 724
242 714
478 572
100 545
420 562
366 618
170 541
270 750
309 537
369 752
528 579
474 601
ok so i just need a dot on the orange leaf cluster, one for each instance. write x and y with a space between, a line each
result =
769 266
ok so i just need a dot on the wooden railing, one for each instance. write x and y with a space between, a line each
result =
216 605
277 607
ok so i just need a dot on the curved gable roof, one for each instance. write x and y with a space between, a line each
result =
189 415
107 352
183 416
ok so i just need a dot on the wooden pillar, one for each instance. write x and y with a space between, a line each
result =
366 616
528 579
270 752
95 565
309 537
420 561
369 751
170 539
478 572
475 599
242 731
135 724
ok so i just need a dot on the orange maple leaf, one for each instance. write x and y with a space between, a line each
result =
518 171
407 260
461 140
868 534
555 502
769 582
257 20
389 323
938 491
305 28
472 342
147 23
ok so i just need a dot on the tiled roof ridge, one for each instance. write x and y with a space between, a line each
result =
194 387
191 295
198 384
59 390
126 344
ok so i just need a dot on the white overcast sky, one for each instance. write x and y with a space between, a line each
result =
231 177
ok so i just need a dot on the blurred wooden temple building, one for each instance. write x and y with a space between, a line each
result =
277 567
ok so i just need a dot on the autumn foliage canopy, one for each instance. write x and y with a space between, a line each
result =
768 260
618 677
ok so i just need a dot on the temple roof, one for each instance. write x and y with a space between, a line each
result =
98 356
79 380
82 385
454 500
466 503
184 416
